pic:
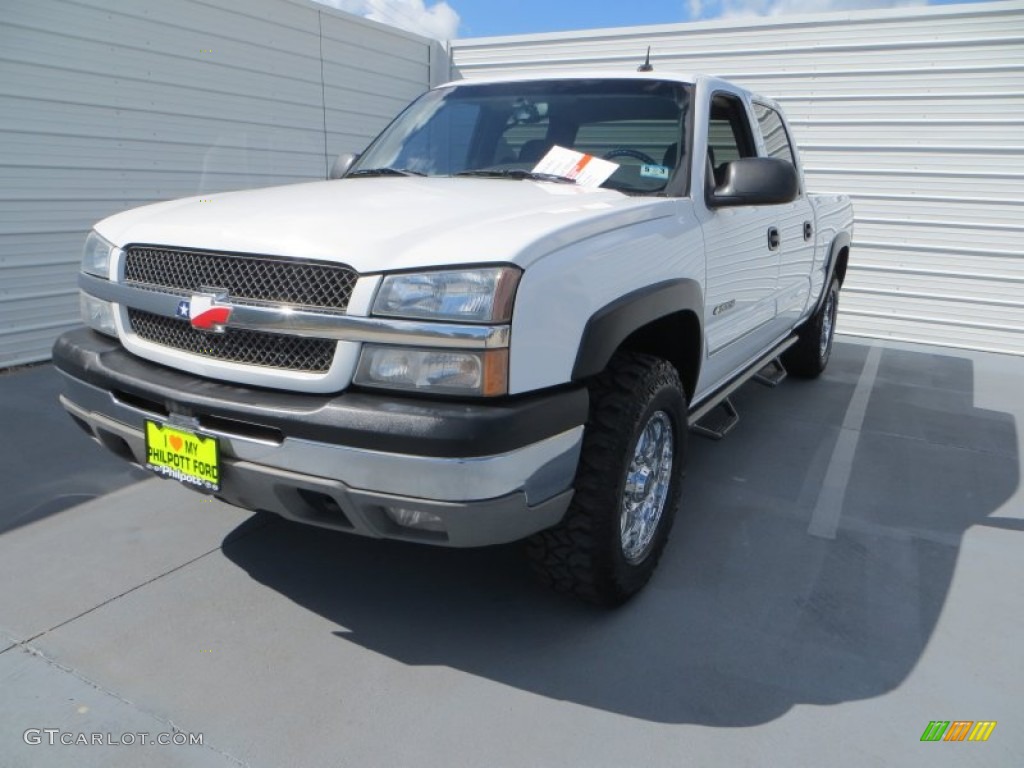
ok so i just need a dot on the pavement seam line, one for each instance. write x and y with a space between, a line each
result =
915 438
795 513
829 506
109 600
166 722
28 648
139 586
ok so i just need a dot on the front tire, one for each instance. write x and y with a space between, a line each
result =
627 485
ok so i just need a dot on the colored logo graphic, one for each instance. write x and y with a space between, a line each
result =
958 730
204 313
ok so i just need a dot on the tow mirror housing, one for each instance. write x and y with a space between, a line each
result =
756 181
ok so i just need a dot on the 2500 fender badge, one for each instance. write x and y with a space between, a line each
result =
724 307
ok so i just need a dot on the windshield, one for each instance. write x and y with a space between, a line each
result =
504 129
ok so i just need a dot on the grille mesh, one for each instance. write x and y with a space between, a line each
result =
293 353
259 279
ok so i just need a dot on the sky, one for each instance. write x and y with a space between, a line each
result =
449 19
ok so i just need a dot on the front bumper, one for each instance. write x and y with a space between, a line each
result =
491 472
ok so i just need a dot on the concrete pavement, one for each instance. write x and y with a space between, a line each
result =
759 642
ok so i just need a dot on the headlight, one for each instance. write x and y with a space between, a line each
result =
96 256
438 371
97 314
464 295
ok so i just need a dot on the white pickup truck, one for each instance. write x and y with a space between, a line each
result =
461 338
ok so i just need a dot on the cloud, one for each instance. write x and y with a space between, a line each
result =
734 8
714 9
439 20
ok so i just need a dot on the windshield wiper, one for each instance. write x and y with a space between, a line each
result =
518 174
386 172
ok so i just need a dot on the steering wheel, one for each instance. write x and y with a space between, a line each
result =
635 154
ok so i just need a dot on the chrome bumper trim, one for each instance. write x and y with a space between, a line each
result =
302 322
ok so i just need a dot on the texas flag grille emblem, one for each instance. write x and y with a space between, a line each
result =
203 312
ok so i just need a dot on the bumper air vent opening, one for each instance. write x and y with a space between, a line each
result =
83 424
324 509
116 445
243 429
142 403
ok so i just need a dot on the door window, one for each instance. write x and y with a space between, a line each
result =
729 135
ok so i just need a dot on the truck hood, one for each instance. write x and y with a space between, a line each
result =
380 224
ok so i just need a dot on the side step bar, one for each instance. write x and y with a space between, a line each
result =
718 422
772 374
715 416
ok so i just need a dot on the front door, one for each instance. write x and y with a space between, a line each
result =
742 250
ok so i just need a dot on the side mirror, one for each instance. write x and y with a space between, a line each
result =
756 181
342 165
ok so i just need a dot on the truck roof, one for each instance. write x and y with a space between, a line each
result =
604 74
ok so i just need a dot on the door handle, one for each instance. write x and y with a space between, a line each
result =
808 230
773 239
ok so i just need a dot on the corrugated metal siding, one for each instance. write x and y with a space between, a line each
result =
107 105
916 113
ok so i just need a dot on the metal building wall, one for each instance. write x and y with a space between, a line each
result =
917 113
111 104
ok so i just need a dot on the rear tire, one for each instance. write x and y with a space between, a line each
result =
627 485
809 356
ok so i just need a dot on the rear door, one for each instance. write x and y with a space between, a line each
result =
795 222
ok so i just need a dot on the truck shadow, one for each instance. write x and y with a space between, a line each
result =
749 614
47 464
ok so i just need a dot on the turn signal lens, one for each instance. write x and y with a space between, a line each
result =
440 371
97 314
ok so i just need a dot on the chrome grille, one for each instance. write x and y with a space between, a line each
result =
259 279
293 353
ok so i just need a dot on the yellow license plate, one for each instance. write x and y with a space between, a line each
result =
193 459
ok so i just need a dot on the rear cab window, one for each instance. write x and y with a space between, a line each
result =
777 141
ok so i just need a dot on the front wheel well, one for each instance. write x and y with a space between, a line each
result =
675 338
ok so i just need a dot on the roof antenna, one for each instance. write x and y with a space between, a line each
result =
646 66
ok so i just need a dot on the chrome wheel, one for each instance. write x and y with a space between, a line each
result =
828 325
647 484
627 486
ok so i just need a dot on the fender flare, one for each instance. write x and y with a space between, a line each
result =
613 323
841 240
